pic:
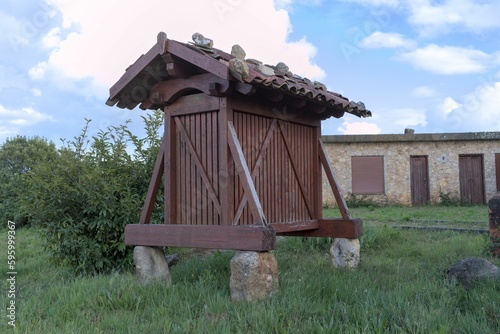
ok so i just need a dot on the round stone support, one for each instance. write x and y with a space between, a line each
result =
344 253
494 214
254 275
151 264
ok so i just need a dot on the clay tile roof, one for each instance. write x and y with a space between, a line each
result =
150 68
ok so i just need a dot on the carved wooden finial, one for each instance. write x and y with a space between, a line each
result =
161 40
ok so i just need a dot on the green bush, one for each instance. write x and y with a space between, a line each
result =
85 198
360 201
18 156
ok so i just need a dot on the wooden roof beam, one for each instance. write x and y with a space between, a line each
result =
295 102
316 108
202 61
271 95
180 69
168 91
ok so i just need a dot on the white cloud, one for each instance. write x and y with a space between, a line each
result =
447 59
423 91
471 15
447 106
483 104
408 117
113 34
52 39
12 121
387 40
357 128
36 92
37 72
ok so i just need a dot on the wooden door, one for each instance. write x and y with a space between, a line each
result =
419 176
471 178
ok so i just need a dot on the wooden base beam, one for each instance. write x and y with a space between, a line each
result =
295 226
247 237
333 228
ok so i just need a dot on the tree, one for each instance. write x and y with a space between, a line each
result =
18 156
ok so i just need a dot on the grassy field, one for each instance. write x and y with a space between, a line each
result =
400 288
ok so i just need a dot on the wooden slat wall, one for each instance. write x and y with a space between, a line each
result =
194 204
276 182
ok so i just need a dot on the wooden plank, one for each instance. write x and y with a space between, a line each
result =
225 174
248 237
256 168
199 165
266 109
317 176
169 175
330 174
305 195
332 228
295 226
154 184
245 177
196 103
207 63
214 142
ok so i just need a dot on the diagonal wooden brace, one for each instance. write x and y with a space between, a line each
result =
245 177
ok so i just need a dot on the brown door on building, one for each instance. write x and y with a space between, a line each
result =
419 180
471 178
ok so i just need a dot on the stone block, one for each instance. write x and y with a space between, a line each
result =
471 270
151 264
254 275
344 253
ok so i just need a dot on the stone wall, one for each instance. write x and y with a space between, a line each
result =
442 151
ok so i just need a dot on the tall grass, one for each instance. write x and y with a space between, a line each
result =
401 287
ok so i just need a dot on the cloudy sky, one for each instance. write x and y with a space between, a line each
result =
430 65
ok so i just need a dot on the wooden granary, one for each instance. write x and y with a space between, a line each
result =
241 157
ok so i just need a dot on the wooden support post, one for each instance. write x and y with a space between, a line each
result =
169 175
245 177
330 174
154 184
226 180
317 176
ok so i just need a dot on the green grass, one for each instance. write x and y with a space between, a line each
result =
401 287
475 216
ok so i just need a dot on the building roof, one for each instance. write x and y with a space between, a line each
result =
169 59
411 137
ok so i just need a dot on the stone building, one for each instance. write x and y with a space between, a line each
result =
413 169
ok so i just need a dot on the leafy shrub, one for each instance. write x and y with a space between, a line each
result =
356 201
446 199
85 198
18 156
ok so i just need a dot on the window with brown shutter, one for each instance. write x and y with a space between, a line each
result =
367 175
497 169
